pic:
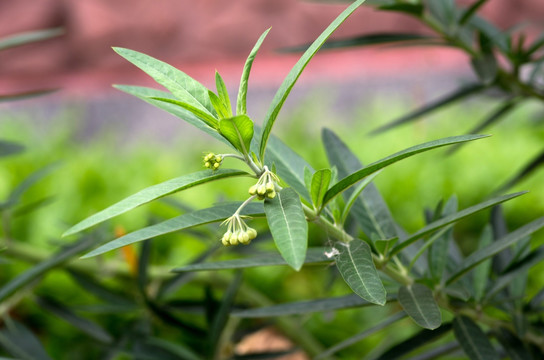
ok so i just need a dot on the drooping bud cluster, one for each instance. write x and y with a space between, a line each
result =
212 161
266 186
238 232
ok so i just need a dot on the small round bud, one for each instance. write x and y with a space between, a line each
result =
252 233
208 157
243 238
261 190
253 190
218 159
207 164
270 187
216 166
271 194
225 241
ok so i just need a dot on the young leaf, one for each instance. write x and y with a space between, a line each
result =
294 74
208 119
319 185
185 221
223 94
241 108
313 256
355 177
473 340
152 193
218 105
181 85
494 248
288 226
357 268
418 302
238 131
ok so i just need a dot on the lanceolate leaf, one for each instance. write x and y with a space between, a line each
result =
313 256
29 37
418 302
473 340
294 74
238 131
28 182
223 94
181 85
529 168
352 179
288 226
208 119
457 95
152 193
20 342
241 108
435 225
494 248
357 268
369 209
480 275
218 105
148 94
185 221
319 185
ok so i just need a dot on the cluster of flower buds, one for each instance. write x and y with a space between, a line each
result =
212 161
238 232
266 186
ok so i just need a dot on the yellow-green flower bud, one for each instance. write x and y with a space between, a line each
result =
243 238
216 166
271 194
252 233
218 159
207 164
261 190
253 190
270 187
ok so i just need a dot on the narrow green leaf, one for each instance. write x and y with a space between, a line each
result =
494 248
357 268
152 193
147 94
497 37
515 348
29 37
448 99
288 226
85 325
445 12
418 302
528 169
101 291
208 119
355 194
223 94
38 270
470 11
181 85
369 209
185 221
438 254
20 342
473 340
320 185
435 225
27 183
221 316
241 108
25 95
410 9
355 177
218 105
480 275
178 349
485 66
8 148
313 256
294 74
308 174
238 131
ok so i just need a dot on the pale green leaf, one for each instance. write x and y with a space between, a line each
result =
223 94
152 193
288 226
320 185
185 221
296 71
238 131
29 37
241 108
418 302
208 119
218 105
473 340
356 266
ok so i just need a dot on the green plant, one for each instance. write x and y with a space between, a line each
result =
371 252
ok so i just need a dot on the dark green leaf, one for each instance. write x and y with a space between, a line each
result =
514 347
410 9
241 108
20 342
182 86
101 291
223 94
152 193
238 131
313 256
481 273
208 119
265 355
473 340
28 182
451 219
356 266
320 185
8 148
438 254
528 169
444 11
418 302
448 99
294 74
471 10
486 67
494 248
181 351
355 177
29 37
495 35
288 226
222 314
87 326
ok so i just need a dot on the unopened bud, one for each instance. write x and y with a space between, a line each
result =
271 194
270 187
261 190
253 190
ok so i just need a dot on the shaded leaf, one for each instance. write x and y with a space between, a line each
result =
355 177
8 148
152 193
288 226
177 348
238 131
241 108
101 291
438 252
470 11
29 37
20 342
208 119
514 347
320 185
221 316
294 74
528 169
410 9
25 94
28 182
473 340
418 302
486 67
356 266
481 273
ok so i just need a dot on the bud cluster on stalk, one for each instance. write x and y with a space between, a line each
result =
212 161
237 232
266 186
